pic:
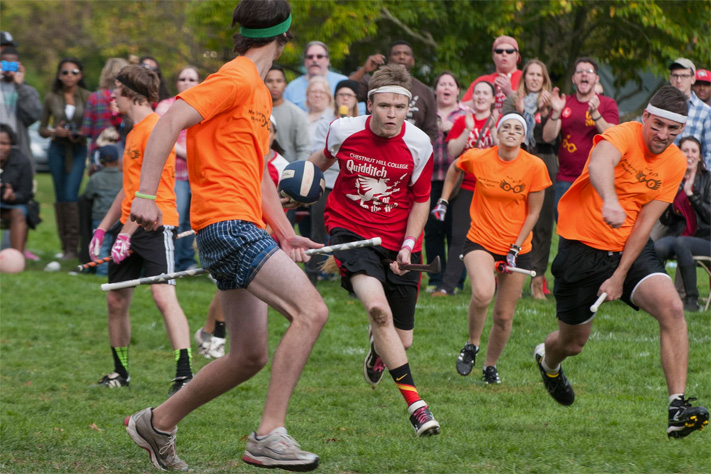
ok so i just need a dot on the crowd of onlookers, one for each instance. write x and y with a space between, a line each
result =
87 135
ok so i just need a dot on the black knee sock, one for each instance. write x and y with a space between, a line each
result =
120 355
220 330
183 359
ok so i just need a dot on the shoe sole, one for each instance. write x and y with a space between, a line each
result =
371 349
270 463
431 428
130 425
698 424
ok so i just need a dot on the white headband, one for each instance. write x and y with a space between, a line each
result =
515 117
392 89
666 114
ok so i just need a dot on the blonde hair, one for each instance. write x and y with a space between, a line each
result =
319 80
110 71
546 86
108 136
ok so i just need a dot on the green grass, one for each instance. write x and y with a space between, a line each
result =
54 345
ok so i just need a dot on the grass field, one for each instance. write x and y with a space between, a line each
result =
54 345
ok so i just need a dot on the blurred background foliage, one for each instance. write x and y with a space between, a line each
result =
635 40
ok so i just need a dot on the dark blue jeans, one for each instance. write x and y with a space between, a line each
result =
66 185
184 252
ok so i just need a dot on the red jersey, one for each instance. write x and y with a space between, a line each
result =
577 129
379 179
487 141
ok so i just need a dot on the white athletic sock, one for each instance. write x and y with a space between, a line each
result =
675 396
550 370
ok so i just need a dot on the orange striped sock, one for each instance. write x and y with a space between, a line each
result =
405 383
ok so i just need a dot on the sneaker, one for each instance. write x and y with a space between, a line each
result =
466 359
217 348
203 340
373 365
691 303
178 383
160 446
278 450
114 380
440 292
685 419
490 375
422 420
557 384
431 288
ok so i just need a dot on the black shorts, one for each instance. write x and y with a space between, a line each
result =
400 290
522 261
579 270
153 254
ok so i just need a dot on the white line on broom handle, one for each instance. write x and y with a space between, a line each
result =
596 305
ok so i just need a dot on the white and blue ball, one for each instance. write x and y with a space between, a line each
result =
302 182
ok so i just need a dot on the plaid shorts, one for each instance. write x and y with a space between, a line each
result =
234 252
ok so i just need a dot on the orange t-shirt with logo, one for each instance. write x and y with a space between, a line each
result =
500 203
640 177
136 142
225 151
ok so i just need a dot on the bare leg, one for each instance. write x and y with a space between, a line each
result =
118 302
247 325
388 342
657 296
567 341
507 296
18 229
214 313
176 324
480 267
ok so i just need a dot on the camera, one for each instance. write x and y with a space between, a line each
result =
73 128
10 66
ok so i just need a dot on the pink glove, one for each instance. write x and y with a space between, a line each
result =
96 241
121 247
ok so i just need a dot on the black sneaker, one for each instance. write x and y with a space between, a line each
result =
490 375
178 383
557 384
422 420
467 356
373 366
685 419
113 380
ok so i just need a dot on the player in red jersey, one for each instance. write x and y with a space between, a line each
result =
383 190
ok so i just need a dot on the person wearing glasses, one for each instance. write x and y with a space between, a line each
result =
506 57
184 253
61 121
316 63
682 76
577 118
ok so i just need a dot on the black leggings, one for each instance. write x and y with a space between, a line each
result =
684 249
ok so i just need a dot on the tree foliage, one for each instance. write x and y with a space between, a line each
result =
630 37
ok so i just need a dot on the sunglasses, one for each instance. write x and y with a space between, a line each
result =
186 79
507 51
316 56
66 72
148 66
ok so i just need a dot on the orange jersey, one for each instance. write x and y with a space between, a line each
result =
226 150
640 177
500 203
133 160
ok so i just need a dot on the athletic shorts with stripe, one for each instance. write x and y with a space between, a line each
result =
579 270
522 261
234 252
400 290
153 254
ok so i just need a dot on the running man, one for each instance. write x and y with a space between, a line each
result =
508 198
233 195
382 190
136 249
631 176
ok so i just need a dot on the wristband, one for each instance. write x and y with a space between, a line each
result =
145 196
409 242
553 119
596 119
440 201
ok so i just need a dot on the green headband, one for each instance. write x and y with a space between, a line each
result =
275 30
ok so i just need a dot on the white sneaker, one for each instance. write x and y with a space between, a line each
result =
217 348
203 341
278 450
